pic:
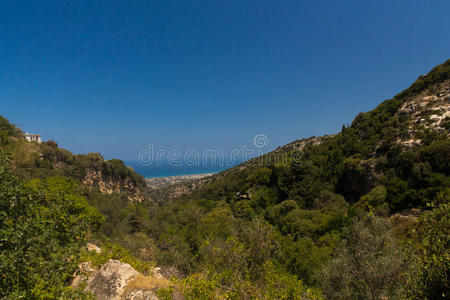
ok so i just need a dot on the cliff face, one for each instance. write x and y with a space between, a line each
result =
429 109
32 160
108 185
93 171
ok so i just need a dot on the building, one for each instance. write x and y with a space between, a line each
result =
33 137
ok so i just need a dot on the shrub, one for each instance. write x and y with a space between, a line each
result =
367 265
42 231
429 276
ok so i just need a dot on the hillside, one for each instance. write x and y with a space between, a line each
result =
413 126
391 162
421 112
361 214
33 160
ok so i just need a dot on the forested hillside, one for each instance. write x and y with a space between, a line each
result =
33 160
298 209
362 214
50 201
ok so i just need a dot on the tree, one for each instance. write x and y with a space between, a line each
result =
352 182
42 229
8 128
367 265
260 176
430 275
375 200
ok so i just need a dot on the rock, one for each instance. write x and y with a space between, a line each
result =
111 280
108 186
157 273
117 280
85 274
140 295
92 247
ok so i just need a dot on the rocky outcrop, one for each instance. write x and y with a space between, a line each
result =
111 280
299 145
429 109
94 178
116 280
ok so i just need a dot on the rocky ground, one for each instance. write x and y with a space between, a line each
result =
116 280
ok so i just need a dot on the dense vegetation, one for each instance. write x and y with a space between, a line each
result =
308 201
333 220
43 226
31 160
46 218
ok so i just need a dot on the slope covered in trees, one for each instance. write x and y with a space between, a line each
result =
33 160
49 210
360 214
291 208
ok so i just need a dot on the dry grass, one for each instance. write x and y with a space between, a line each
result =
146 283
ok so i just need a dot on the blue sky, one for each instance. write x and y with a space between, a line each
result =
113 76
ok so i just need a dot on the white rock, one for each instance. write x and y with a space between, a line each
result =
111 280
92 247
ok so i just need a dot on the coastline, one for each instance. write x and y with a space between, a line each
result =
182 175
159 182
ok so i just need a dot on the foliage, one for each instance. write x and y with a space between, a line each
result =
430 275
42 230
31 160
374 200
112 251
260 177
264 229
367 265
437 74
8 129
276 284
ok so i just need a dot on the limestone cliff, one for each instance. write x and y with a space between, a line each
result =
429 109
109 185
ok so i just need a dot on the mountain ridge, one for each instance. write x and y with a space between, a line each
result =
425 109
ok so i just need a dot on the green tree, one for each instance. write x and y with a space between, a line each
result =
42 230
429 277
260 176
367 265
375 199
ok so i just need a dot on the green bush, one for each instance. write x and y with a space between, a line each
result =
113 251
42 231
429 276
368 264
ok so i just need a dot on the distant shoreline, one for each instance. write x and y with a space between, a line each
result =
183 175
159 182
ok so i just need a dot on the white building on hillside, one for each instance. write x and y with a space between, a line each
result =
33 137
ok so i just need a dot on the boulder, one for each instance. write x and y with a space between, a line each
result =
117 280
111 280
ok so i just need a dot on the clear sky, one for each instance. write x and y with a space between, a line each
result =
113 76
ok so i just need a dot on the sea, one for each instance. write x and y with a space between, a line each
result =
165 169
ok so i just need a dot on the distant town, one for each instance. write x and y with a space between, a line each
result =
160 182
